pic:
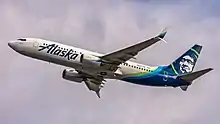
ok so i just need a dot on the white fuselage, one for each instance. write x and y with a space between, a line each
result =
70 57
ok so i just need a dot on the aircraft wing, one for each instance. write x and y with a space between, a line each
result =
125 54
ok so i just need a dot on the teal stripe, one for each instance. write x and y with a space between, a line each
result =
147 75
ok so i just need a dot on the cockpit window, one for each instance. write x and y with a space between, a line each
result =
21 39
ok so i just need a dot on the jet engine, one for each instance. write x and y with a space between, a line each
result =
90 60
72 75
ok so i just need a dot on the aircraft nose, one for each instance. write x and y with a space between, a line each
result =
11 44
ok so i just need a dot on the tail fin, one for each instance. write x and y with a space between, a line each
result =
192 76
186 62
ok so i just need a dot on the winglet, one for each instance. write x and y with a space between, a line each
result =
163 33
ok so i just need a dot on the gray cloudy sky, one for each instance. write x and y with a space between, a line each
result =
32 91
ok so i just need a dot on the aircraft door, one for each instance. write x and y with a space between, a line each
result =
35 44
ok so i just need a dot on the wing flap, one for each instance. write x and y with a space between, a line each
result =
94 85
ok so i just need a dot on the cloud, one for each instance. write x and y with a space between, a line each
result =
32 91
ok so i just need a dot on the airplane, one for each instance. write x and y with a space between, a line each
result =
94 68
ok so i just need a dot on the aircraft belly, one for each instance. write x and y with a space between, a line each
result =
146 81
156 80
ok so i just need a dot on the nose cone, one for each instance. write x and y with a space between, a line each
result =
11 44
14 45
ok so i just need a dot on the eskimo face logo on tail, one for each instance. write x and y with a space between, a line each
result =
186 64
54 49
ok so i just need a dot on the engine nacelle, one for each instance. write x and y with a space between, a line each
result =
72 75
90 60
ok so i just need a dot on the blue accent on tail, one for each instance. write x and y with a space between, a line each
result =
185 63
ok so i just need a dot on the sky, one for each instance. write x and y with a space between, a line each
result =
33 91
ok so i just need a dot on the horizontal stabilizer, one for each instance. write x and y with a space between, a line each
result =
194 75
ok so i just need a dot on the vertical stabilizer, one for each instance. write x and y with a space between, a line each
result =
186 62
